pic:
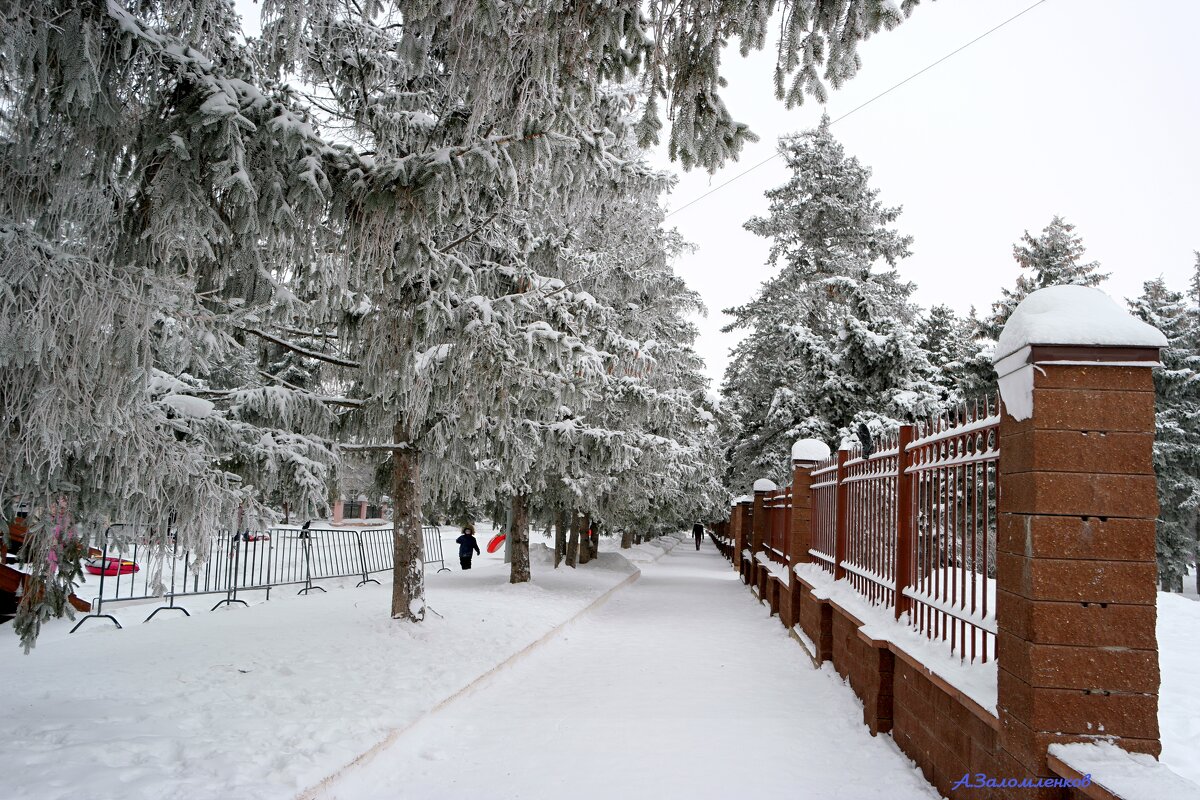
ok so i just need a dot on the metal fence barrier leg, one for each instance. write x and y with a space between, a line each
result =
170 606
362 559
98 603
308 584
230 581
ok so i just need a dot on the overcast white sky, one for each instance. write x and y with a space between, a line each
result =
1085 108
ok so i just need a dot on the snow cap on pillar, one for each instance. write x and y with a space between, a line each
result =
1080 316
743 499
764 485
810 450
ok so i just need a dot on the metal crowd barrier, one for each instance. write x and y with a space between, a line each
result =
432 537
248 561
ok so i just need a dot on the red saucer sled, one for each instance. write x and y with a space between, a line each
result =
495 543
110 566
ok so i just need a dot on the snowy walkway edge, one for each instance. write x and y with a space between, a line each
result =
314 791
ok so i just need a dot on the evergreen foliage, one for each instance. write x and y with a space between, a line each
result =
1052 258
830 342
961 362
1177 428
224 258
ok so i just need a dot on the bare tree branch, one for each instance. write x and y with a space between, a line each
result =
328 359
470 234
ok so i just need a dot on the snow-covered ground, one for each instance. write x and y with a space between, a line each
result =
1189 584
647 695
680 686
264 701
1179 696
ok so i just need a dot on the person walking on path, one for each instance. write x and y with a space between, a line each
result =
697 533
467 544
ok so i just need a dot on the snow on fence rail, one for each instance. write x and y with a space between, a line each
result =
132 567
911 526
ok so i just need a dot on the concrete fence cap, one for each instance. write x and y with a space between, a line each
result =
765 485
810 450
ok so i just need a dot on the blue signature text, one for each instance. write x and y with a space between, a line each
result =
981 781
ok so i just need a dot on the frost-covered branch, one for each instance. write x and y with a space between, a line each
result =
304 351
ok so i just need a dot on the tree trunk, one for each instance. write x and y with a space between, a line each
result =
594 542
508 537
573 543
627 539
560 537
519 536
585 536
408 572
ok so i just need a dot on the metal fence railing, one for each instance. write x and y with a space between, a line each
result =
912 525
136 567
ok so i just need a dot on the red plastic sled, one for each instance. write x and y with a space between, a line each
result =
495 543
110 566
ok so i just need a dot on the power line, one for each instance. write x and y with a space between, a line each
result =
778 153
861 106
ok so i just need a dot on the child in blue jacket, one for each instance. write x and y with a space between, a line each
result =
466 544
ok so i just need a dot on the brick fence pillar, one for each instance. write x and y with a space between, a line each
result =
1075 568
758 525
805 455
741 532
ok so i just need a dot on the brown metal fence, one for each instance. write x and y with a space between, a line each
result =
953 469
778 508
871 489
912 525
824 512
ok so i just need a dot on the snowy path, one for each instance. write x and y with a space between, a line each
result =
647 697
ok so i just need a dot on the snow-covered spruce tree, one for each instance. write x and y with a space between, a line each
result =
157 195
1177 429
440 209
1052 258
622 429
1194 312
955 352
432 111
216 174
660 403
829 340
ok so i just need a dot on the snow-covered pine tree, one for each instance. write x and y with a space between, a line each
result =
955 352
1194 311
658 404
157 196
1052 258
146 136
829 342
1177 429
621 439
